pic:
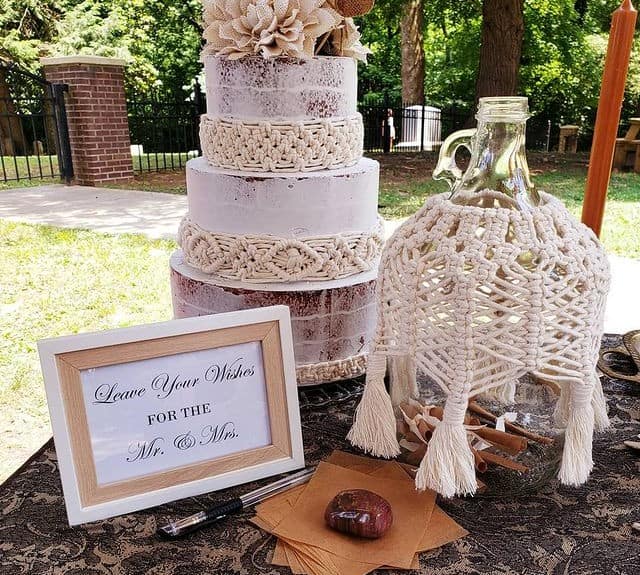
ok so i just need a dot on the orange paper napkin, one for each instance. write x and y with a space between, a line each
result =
307 546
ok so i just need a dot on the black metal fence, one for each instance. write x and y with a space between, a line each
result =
406 127
165 132
34 140
403 127
34 137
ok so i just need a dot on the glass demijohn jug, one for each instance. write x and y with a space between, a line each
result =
498 159
498 176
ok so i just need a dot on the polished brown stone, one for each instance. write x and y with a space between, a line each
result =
359 512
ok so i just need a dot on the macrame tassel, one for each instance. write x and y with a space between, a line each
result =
374 427
561 411
402 380
505 393
448 466
599 404
577 461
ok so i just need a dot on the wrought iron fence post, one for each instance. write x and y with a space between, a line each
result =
386 129
423 112
199 105
65 160
548 140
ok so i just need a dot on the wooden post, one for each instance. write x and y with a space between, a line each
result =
608 118
568 139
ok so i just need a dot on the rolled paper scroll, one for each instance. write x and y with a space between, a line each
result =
480 463
438 412
475 408
505 462
511 444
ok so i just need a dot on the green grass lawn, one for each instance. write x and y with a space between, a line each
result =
57 282
621 227
26 171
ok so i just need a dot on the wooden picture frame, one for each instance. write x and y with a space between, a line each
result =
130 434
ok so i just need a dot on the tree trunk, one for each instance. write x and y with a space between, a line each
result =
412 52
12 140
500 48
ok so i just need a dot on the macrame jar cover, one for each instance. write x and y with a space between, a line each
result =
477 297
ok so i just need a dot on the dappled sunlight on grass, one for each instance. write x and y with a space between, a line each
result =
59 282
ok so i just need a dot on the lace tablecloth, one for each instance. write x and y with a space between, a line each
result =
558 530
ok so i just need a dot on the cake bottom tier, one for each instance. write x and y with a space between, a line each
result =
332 325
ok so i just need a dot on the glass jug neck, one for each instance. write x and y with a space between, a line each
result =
498 158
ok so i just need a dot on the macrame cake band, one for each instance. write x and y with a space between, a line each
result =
265 146
264 258
328 371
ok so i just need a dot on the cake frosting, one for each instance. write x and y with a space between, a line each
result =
295 205
281 88
282 206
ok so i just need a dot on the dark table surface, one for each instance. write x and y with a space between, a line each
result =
555 531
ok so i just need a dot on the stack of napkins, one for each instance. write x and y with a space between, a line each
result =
307 546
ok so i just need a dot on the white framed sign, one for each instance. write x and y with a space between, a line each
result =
150 414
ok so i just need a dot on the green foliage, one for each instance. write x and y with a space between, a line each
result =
25 27
563 53
450 39
381 33
562 60
160 40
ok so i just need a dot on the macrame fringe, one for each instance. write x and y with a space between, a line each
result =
402 379
448 466
561 411
599 404
374 427
577 461
505 393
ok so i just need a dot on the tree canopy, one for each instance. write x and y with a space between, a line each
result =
560 67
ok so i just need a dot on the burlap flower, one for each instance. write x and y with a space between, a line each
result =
271 28
345 41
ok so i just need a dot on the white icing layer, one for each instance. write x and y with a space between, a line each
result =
293 206
281 88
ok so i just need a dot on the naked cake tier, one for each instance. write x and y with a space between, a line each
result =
281 88
331 321
287 205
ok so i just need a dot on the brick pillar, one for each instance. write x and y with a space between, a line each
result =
568 139
97 116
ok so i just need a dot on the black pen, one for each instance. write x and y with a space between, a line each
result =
197 520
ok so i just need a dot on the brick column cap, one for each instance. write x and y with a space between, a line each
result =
82 59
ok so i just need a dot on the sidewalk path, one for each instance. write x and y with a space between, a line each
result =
157 215
154 214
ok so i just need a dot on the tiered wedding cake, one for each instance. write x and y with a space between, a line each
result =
282 207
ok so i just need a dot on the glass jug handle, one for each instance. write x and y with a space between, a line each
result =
447 169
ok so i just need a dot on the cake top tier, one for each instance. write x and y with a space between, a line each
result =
281 88
293 28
